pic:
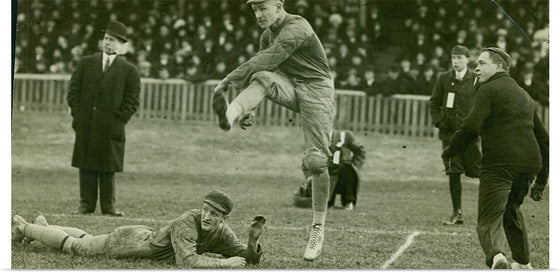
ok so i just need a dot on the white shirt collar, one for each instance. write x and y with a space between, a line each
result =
111 57
461 74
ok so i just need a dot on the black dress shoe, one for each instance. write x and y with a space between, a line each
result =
113 213
82 211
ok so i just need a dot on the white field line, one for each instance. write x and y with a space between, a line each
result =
370 231
400 251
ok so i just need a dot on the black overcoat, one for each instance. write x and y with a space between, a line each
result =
101 104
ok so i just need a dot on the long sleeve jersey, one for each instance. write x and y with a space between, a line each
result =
293 48
185 239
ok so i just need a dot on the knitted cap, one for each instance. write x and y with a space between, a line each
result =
219 200
460 50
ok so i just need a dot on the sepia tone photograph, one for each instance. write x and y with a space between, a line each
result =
280 134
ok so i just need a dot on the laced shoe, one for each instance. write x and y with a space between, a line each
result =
516 265
500 262
220 106
41 221
18 224
315 244
455 219
349 206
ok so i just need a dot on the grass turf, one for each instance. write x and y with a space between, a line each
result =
170 165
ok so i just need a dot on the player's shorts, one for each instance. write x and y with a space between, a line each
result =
468 162
313 99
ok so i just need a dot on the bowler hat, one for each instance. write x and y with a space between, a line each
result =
117 29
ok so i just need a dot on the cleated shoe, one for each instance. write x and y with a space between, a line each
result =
500 262
455 219
220 106
18 225
315 244
41 221
516 265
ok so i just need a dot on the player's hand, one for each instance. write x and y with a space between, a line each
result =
222 86
257 227
246 120
536 191
234 262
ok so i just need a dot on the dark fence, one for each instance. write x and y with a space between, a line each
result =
180 100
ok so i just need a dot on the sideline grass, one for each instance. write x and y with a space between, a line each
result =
170 165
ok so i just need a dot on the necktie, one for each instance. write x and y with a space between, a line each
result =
107 64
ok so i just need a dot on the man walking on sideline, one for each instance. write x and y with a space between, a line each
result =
290 69
514 151
103 96
185 239
450 103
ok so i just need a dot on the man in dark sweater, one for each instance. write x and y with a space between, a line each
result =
514 151
451 101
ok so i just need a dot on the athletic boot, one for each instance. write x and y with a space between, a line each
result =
18 225
220 106
516 265
500 262
315 244
455 219
41 221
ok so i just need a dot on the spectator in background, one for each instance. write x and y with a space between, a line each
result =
220 69
450 103
193 73
426 81
536 90
390 85
370 85
352 80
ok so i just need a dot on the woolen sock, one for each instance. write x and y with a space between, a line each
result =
74 232
50 236
455 189
320 194
245 102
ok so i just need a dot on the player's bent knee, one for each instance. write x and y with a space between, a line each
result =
262 78
316 162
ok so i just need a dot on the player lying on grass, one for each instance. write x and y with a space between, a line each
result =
186 238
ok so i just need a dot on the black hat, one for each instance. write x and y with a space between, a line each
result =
117 29
460 50
502 53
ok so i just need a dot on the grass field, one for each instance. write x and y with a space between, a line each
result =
170 165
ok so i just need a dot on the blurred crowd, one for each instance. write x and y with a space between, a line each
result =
381 47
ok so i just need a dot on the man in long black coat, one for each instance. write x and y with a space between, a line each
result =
104 91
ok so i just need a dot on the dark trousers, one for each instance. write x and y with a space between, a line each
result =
90 182
501 193
345 184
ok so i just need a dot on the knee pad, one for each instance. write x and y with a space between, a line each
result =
316 162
